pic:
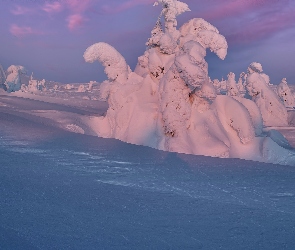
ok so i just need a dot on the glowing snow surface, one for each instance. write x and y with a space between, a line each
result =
65 190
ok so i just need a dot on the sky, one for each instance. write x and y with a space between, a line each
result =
49 37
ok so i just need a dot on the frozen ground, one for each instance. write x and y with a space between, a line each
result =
65 190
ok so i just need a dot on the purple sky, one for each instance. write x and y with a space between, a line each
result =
50 37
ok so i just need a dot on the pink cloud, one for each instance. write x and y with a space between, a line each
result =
20 10
52 7
76 8
75 21
19 31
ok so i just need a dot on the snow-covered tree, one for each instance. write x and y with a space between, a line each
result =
169 101
285 94
272 109
82 88
241 84
231 85
2 77
216 84
90 85
13 79
69 86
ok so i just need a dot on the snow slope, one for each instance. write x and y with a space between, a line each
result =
65 190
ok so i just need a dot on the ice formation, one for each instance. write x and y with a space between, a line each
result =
170 103
285 94
13 79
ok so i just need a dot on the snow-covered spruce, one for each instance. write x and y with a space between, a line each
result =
231 85
285 94
170 103
241 84
13 79
271 108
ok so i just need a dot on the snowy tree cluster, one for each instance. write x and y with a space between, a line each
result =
34 86
170 103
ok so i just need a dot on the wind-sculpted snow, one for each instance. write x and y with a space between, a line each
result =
170 103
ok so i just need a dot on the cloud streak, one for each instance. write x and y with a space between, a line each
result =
22 31
20 10
54 7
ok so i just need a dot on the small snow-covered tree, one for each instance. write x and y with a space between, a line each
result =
2 77
216 84
285 94
13 79
241 84
34 86
231 85
82 88
272 109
